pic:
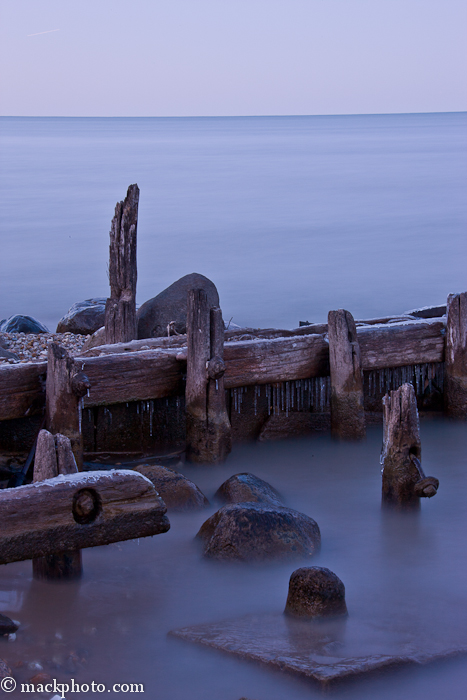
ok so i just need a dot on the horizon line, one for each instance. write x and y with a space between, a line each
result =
229 116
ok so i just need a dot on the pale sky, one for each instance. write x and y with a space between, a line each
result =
231 57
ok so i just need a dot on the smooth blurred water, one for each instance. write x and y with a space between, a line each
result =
289 216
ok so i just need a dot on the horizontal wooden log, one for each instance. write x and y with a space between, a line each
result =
77 511
157 373
401 344
22 389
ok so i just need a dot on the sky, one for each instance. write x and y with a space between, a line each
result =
231 57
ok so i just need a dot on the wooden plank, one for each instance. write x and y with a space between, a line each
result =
198 354
401 344
347 413
120 308
77 511
219 435
134 376
22 389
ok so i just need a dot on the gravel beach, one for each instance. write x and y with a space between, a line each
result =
32 347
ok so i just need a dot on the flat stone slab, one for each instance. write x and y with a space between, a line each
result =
322 651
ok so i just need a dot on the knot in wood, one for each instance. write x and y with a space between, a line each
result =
86 506
80 384
216 367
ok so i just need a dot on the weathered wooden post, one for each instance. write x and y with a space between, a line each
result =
347 412
54 456
208 435
120 308
455 389
404 482
65 387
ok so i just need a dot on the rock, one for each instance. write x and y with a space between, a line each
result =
97 338
246 487
177 492
255 532
7 354
7 626
5 671
315 592
428 311
22 324
170 306
84 317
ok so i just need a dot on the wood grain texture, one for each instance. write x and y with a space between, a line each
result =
219 433
347 412
120 308
77 511
401 344
455 395
22 388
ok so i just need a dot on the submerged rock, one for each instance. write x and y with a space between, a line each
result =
7 626
247 487
315 592
5 671
170 307
177 492
84 317
255 532
22 324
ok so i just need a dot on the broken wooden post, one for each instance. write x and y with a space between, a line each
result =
207 424
120 308
455 389
74 511
65 386
54 456
347 412
404 482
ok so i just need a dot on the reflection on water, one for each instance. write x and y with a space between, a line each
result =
398 570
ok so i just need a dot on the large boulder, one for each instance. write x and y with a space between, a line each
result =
177 492
255 532
7 626
315 592
170 306
84 317
22 324
246 487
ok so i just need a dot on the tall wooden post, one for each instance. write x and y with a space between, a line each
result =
120 308
65 386
54 456
347 412
455 390
404 482
207 425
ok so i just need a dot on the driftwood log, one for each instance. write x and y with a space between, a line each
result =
404 482
347 412
120 308
54 456
208 435
65 387
77 511
455 391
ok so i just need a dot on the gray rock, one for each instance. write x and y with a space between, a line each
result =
7 626
7 354
246 487
22 324
170 306
315 592
84 317
255 532
177 492
97 338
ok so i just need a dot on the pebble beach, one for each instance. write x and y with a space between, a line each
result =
32 347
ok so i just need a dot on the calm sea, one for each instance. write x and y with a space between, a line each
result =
289 216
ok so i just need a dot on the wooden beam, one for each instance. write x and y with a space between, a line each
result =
347 412
401 344
120 308
455 394
22 389
77 511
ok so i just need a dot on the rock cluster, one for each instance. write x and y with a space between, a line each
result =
32 347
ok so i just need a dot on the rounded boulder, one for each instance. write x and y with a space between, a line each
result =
315 592
84 317
177 492
246 487
258 531
22 324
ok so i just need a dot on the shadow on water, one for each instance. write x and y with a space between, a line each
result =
404 572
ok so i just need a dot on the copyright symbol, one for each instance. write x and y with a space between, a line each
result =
8 684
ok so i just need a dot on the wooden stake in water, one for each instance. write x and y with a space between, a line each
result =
120 308
347 412
208 435
455 388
